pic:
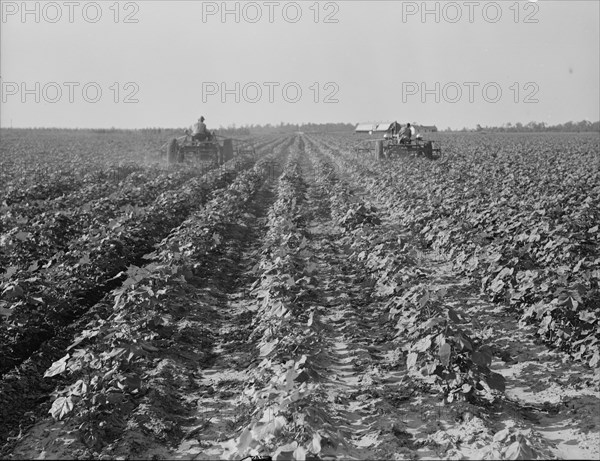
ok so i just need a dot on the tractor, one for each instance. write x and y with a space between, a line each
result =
394 146
178 149
214 148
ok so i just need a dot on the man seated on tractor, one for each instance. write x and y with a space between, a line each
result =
200 132
405 134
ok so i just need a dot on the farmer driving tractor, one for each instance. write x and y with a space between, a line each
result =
405 134
200 132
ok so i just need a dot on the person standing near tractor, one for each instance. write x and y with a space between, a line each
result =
200 132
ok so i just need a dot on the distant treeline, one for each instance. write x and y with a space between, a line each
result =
98 130
536 127
248 130
244 130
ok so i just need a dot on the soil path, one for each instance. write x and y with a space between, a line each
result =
361 382
219 412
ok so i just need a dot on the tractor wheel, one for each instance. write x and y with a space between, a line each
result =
428 150
173 153
379 154
227 150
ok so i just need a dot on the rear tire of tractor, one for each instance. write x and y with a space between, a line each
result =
227 150
173 153
428 150
379 150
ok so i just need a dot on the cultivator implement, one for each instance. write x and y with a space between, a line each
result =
243 147
393 148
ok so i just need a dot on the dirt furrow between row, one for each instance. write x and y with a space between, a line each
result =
359 381
218 410
367 390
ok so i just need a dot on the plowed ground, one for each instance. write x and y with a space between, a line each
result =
263 325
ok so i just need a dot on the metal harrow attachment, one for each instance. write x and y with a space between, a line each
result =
390 148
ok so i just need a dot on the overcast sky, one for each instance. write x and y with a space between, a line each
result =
165 63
